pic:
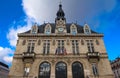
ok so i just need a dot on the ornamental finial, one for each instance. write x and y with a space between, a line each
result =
60 1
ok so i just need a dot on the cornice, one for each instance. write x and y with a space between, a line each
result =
60 35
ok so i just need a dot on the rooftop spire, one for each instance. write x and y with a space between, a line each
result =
60 12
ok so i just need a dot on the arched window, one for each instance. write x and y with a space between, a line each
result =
73 30
87 29
77 70
44 70
47 29
61 70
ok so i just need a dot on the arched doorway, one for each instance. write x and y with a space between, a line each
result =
44 70
61 70
77 70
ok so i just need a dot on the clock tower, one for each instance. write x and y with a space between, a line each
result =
60 21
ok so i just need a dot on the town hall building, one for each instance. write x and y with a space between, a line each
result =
60 50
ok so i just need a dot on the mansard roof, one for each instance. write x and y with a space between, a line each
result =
41 28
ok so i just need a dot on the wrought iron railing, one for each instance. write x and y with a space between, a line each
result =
94 55
28 54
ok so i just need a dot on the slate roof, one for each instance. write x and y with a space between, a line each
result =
41 28
2 64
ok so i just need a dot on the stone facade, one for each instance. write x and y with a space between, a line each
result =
64 47
115 65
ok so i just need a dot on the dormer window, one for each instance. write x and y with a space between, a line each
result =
34 29
47 29
73 30
87 29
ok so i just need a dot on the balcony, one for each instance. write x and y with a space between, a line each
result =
27 56
93 56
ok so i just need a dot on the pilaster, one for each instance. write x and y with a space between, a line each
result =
52 75
69 71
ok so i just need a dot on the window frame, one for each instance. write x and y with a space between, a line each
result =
77 70
46 47
75 47
34 29
87 29
60 50
31 46
45 70
48 29
62 73
95 69
73 29
90 46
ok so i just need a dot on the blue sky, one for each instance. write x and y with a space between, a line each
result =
18 16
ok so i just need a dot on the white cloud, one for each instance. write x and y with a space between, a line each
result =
6 55
39 9
12 34
75 10
8 59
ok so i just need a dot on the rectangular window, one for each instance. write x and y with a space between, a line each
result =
60 49
31 45
75 47
90 45
46 47
95 69
26 71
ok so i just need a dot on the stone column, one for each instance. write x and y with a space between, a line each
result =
52 75
69 71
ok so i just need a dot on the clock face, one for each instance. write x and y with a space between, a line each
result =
60 29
